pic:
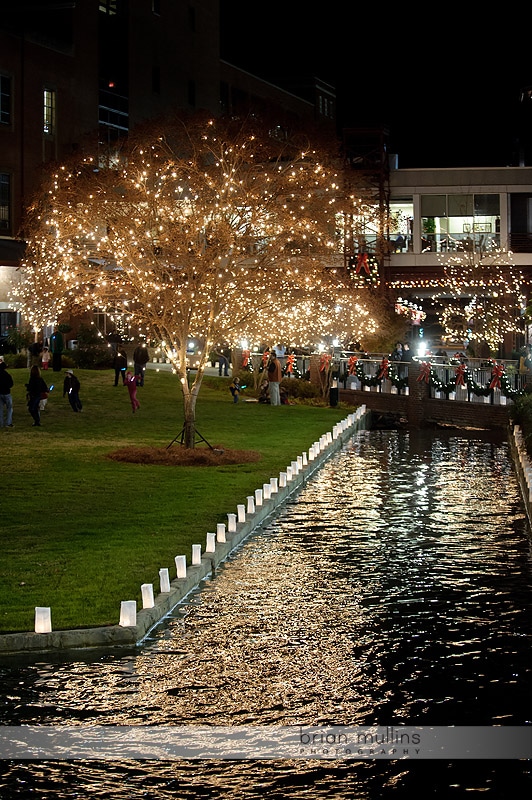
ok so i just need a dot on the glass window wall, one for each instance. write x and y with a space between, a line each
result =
460 222
401 225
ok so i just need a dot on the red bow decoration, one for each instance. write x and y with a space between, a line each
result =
265 357
383 369
245 357
460 372
290 362
325 360
352 364
496 376
424 373
362 263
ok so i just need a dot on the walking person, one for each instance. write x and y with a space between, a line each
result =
71 387
140 359
120 365
132 382
6 399
36 391
275 376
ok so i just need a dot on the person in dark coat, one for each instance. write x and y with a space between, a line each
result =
120 365
57 345
141 357
36 388
71 387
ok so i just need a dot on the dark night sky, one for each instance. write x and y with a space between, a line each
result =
448 94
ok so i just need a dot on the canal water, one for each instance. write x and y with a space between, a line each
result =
395 589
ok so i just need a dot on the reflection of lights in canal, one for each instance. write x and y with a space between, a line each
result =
394 590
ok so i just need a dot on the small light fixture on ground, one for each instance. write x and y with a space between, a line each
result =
128 613
164 580
181 566
196 555
43 619
147 595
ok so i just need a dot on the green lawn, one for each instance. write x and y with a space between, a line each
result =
81 532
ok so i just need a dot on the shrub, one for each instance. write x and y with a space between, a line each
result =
16 360
300 389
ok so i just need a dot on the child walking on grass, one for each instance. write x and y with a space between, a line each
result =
131 383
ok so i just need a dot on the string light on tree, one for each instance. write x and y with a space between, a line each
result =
199 229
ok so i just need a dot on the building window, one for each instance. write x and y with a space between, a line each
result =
49 112
8 319
5 100
108 7
401 225
5 203
156 6
460 222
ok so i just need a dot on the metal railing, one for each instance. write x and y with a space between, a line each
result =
445 383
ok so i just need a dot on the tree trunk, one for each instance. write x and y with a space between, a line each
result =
189 425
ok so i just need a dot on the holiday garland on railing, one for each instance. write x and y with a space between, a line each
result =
386 370
463 377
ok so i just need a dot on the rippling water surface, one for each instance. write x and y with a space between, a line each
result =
394 590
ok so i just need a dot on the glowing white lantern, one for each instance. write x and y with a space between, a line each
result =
196 555
43 619
147 595
164 580
220 532
128 613
211 543
181 566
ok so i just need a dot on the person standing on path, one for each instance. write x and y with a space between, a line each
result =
57 346
275 376
6 399
71 387
140 359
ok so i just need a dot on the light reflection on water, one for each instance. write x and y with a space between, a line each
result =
395 589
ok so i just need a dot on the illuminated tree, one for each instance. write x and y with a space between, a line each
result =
198 228
486 291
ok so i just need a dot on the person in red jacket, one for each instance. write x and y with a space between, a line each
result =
131 383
